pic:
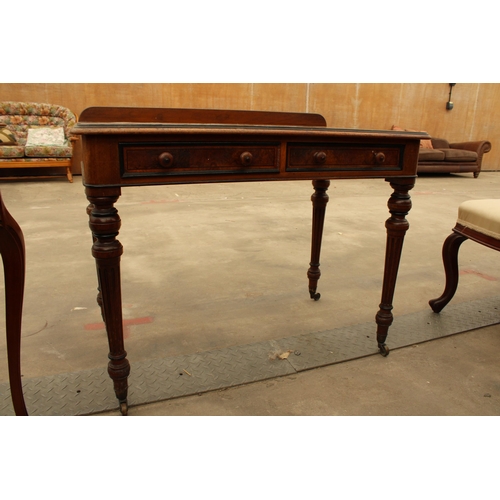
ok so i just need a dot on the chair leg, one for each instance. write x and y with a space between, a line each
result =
69 175
13 256
450 260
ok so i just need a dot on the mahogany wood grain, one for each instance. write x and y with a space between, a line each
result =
183 115
399 205
105 224
13 256
124 147
319 200
451 247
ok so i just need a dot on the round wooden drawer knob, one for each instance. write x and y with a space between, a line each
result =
246 158
379 157
320 157
166 160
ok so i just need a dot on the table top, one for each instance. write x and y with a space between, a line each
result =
116 120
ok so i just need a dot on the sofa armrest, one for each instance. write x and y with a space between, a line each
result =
480 147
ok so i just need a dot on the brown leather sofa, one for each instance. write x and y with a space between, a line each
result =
458 157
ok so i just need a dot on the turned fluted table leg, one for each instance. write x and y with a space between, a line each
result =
450 261
13 256
399 205
319 200
105 224
99 295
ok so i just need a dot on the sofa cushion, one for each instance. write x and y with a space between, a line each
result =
7 138
438 143
427 154
481 215
459 155
45 136
41 151
37 162
11 151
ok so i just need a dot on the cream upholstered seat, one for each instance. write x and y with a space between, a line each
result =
479 221
482 216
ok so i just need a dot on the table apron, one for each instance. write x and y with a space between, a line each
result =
132 163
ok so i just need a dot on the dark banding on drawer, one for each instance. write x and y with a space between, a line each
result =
180 159
334 157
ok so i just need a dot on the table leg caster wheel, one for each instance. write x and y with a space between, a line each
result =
315 296
124 408
384 350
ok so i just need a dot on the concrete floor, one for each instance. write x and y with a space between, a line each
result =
213 266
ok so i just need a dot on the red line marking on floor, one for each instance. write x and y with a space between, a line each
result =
126 325
477 273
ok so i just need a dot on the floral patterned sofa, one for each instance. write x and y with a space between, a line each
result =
36 135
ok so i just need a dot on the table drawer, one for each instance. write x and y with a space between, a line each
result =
333 157
181 159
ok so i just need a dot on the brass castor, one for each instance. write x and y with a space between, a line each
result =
384 350
124 408
315 296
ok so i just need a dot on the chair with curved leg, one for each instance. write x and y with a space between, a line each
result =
479 221
13 256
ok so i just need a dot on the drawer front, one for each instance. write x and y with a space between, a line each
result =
336 157
181 159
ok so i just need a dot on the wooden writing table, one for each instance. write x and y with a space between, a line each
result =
151 146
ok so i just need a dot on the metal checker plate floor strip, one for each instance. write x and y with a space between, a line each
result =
87 392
